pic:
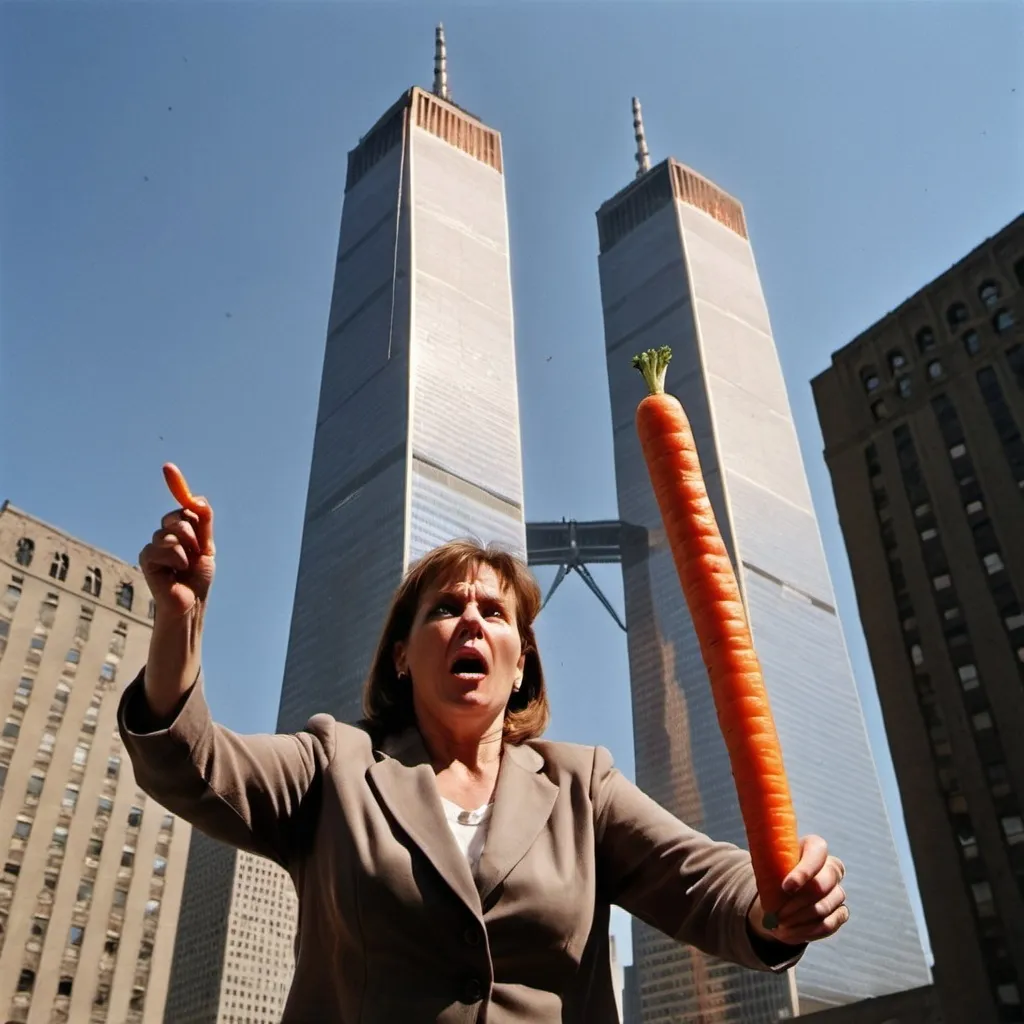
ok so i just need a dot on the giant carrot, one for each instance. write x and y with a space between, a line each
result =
727 647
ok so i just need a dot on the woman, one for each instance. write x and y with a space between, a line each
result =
450 865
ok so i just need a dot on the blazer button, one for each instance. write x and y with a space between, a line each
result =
471 936
473 991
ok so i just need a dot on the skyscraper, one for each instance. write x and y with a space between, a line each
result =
417 436
677 268
93 869
417 431
922 417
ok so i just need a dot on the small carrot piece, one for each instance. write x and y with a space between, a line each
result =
178 486
727 647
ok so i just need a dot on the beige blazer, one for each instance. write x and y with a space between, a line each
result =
393 925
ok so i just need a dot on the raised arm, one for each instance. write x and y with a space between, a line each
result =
674 878
257 793
249 791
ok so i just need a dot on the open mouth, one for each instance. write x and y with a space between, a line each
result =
469 665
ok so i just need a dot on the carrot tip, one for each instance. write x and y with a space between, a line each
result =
770 921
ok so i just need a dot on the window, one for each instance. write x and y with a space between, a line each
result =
93 581
878 410
75 935
993 563
922 510
125 596
968 677
897 360
107 671
84 892
935 369
951 614
958 451
120 897
135 817
22 828
152 608
159 866
113 766
60 837
925 339
11 729
1018 270
26 980
1014 621
916 654
956 314
1013 828
981 721
971 342
70 799
128 855
973 507
903 387
24 551
13 593
930 534
869 378
104 805
35 784
73 656
59 567
152 907
1003 320
989 292
942 581
64 986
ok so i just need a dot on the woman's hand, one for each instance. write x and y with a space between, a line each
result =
178 562
815 907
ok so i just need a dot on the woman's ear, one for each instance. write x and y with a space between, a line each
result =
401 660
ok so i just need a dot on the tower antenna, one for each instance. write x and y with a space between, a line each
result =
643 158
440 65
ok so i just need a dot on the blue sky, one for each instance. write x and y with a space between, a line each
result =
172 182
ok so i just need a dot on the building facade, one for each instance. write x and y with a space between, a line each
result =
417 430
416 443
922 417
677 268
93 869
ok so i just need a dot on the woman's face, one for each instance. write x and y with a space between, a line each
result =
463 655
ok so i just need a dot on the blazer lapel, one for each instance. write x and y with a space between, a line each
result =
523 799
405 781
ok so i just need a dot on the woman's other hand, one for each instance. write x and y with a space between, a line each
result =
815 907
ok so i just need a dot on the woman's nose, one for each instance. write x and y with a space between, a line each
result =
472 623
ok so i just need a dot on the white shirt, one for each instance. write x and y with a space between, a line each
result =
469 828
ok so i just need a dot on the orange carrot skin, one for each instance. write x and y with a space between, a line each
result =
178 486
716 607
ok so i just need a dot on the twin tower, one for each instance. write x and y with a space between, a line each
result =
417 441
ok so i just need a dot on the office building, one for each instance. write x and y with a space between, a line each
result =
416 442
417 431
677 268
93 869
234 956
921 417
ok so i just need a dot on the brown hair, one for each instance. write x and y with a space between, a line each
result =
387 700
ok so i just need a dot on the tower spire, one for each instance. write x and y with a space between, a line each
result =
440 65
643 158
